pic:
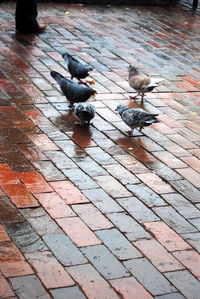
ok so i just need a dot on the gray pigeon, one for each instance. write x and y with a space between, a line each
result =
77 69
141 84
74 92
136 118
85 112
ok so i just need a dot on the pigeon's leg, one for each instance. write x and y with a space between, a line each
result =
134 97
142 95
82 82
141 128
130 133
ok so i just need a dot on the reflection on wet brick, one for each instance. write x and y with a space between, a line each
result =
8 212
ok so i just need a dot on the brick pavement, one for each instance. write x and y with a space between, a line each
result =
90 212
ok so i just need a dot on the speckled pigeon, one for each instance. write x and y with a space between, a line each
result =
141 84
136 118
84 111
74 92
77 69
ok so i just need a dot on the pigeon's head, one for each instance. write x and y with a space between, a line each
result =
120 109
89 69
132 69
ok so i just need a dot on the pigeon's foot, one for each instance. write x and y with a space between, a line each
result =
133 97
129 133
82 82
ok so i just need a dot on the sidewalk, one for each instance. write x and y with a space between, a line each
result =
93 213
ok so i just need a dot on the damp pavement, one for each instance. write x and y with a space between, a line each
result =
90 212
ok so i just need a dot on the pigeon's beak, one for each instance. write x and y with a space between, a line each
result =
116 110
95 91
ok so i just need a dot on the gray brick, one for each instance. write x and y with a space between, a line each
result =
64 250
105 262
29 287
149 276
186 283
118 244
102 200
80 179
137 209
70 292
174 220
126 224
193 239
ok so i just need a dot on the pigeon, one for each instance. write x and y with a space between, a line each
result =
77 69
136 118
139 83
85 112
73 92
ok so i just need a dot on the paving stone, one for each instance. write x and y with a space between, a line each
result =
54 205
105 262
91 282
60 160
64 250
190 175
43 142
112 186
41 222
149 276
187 190
169 159
29 287
155 183
24 237
146 195
68 192
48 170
78 231
8 212
185 283
158 255
137 209
80 179
126 224
190 259
182 205
20 196
195 222
49 270
130 163
118 244
3 235
7 176
100 156
129 287
102 201
92 216
5 290
174 220
166 236
193 239
171 296
69 292
89 166
163 171
121 174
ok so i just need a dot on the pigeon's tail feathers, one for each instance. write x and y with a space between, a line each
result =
151 87
58 77
152 119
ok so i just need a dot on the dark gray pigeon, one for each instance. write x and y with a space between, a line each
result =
136 118
85 112
74 92
77 69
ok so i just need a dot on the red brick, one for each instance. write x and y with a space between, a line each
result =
34 182
155 183
68 192
78 231
190 175
5 289
7 176
91 282
193 162
195 152
43 142
190 259
49 270
158 255
20 196
166 236
182 141
55 206
130 288
92 216
3 235
31 90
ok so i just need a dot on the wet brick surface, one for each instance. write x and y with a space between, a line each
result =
89 212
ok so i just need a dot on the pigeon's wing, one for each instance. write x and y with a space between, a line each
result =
131 117
138 82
